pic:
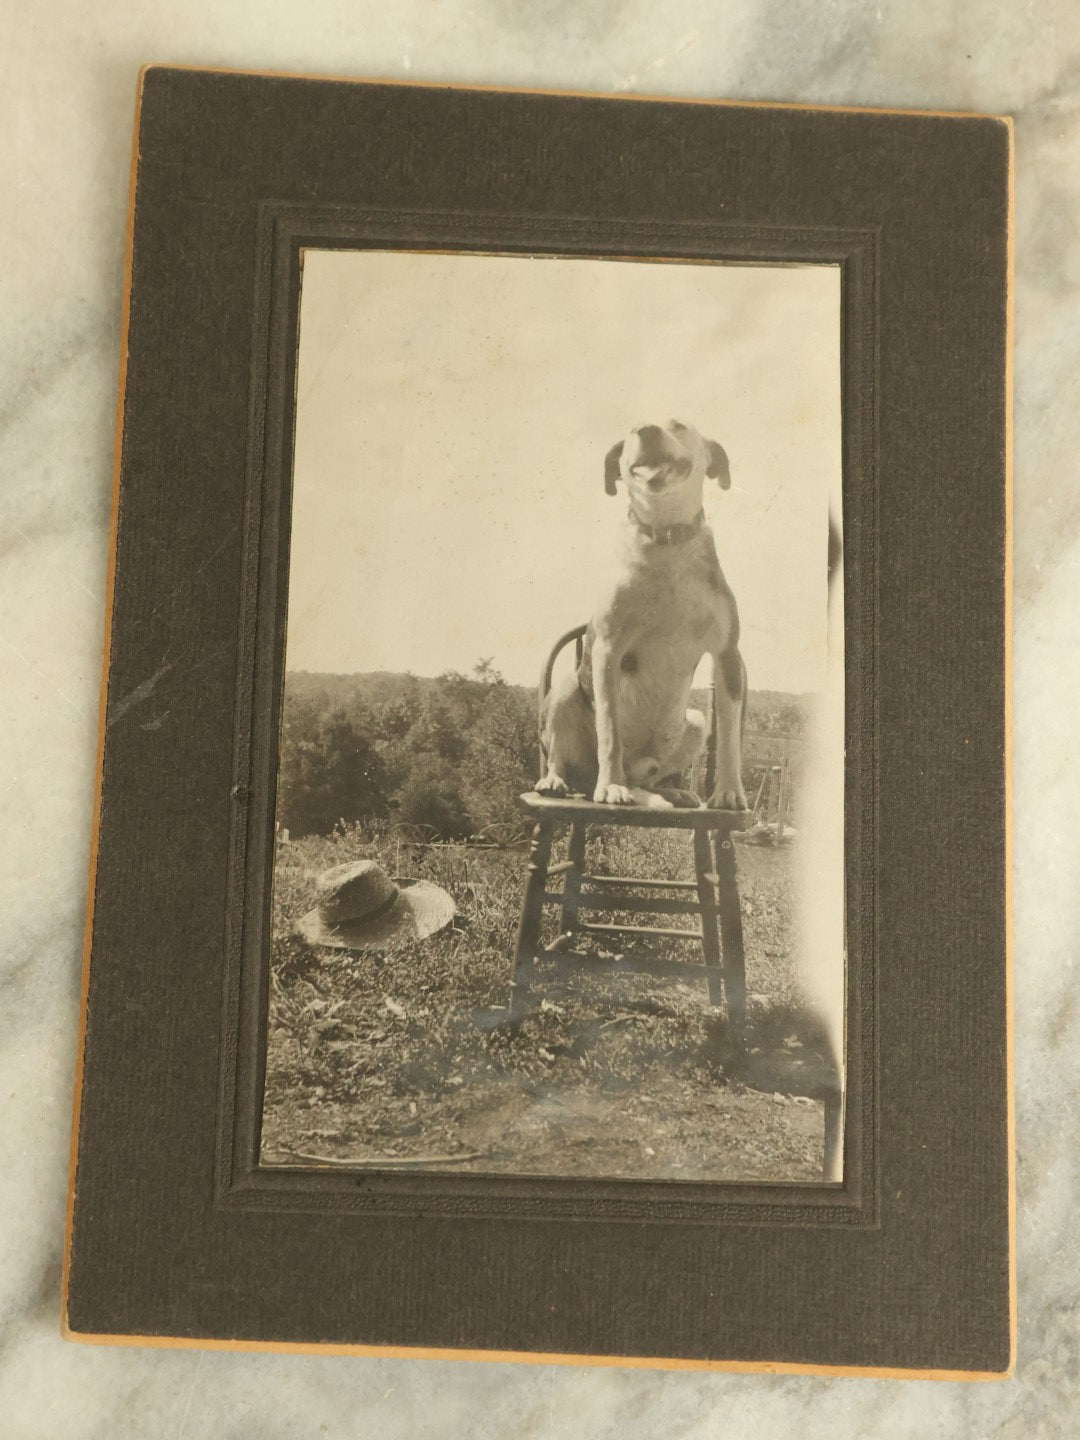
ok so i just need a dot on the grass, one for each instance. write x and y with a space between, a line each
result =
394 1058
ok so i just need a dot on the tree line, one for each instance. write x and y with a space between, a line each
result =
452 753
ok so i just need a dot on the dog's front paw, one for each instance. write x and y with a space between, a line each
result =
651 799
552 784
729 799
680 799
613 795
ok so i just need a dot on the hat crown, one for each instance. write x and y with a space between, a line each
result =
357 890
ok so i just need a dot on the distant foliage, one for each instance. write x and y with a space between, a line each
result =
331 769
777 713
430 795
452 754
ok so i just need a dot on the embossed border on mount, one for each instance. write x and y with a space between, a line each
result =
285 230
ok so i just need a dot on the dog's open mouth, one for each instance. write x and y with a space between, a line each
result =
648 475
659 477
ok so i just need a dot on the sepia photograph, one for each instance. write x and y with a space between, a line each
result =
558 879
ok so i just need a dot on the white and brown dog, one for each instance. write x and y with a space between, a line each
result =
618 728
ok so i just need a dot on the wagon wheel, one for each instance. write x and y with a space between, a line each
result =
424 835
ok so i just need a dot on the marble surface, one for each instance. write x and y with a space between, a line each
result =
65 115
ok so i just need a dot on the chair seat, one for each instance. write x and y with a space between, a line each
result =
589 812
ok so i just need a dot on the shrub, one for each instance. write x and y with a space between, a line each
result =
330 770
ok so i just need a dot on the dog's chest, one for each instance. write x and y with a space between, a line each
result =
673 608
669 606
660 655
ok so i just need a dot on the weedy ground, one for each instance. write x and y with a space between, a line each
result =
398 1057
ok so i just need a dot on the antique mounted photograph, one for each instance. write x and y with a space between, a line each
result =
559 865
553 749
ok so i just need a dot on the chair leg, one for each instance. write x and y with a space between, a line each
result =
710 938
528 937
731 933
575 853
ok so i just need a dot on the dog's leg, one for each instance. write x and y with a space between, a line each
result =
569 742
730 671
611 787
681 762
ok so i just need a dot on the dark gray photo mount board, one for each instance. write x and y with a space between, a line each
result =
177 1234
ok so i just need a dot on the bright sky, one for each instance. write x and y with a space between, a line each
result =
452 419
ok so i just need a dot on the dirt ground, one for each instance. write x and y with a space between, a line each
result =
400 1060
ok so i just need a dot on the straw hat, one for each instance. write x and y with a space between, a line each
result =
361 908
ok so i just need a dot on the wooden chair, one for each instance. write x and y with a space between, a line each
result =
712 895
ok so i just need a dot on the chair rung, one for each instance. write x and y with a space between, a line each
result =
642 884
630 964
643 904
654 934
661 905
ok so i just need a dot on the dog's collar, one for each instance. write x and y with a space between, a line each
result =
668 534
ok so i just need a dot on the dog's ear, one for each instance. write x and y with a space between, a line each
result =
611 467
718 466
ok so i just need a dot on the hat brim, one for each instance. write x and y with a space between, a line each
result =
420 910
